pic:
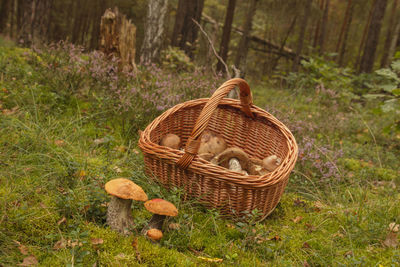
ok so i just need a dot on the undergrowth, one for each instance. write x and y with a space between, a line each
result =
69 123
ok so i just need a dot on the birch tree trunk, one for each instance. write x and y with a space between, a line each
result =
154 30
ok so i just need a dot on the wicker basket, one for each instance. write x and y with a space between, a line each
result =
242 125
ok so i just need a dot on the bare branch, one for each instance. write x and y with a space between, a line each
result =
213 48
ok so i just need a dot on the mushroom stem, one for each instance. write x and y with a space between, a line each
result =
119 215
157 221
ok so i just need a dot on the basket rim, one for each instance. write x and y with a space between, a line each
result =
198 165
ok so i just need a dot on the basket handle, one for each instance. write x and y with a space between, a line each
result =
193 143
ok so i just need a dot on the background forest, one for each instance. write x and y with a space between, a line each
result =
260 36
78 81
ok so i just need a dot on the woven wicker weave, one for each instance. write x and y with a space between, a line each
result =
242 125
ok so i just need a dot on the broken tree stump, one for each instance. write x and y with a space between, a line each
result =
118 38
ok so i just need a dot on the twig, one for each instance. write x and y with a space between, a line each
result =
213 48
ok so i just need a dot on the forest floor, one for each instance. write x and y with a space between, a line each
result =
61 140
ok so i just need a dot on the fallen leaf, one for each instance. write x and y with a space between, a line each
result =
209 259
99 141
135 243
80 174
299 202
28 261
348 254
59 244
393 227
121 148
120 256
23 249
62 220
306 245
59 142
297 219
276 238
310 227
230 226
96 241
10 111
194 251
338 235
135 151
43 205
174 226
117 169
306 264
73 244
391 240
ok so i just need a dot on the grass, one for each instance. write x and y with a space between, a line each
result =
60 142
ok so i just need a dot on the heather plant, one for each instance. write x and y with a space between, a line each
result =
135 96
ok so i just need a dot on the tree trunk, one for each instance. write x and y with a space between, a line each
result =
324 24
300 42
226 34
12 18
276 60
94 36
317 29
346 35
390 35
185 30
344 25
241 56
26 14
4 11
367 61
395 39
118 38
362 43
154 30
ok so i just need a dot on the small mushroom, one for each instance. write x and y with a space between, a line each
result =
223 158
160 209
211 143
271 163
171 141
119 213
154 234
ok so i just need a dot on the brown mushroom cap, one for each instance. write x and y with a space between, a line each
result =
171 141
154 234
161 207
211 142
126 189
233 152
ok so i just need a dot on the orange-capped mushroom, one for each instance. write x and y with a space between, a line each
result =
119 213
154 234
160 209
